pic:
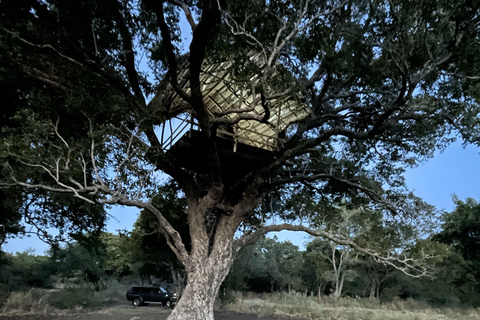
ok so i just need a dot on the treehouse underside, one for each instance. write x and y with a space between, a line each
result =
252 116
237 159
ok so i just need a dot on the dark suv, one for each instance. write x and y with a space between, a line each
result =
144 295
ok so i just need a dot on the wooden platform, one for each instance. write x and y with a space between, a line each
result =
237 159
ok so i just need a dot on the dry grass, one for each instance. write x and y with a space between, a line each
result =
82 300
302 307
34 301
63 301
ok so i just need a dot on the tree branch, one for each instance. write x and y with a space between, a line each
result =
187 12
172 74
43 46
128 53
174 240
409 266
208 22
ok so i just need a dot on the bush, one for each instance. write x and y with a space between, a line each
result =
71 298
32 301
113 293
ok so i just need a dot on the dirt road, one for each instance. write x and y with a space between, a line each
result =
133 313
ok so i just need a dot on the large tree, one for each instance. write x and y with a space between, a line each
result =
461 230
374 85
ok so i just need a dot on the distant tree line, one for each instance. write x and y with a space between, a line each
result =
324 268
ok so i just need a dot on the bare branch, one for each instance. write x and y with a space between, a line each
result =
301 23
174 240
407 265
101 191
43 46
238 30
372 194
187 12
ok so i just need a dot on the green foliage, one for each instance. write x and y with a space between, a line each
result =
267 266
23 271
461 229
46 302
10 203
94 259
33 270
149 250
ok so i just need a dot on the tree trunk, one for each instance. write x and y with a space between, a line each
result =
178 281
206 268
372 289
203 285
339 287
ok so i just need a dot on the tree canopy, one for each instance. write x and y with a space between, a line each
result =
89 88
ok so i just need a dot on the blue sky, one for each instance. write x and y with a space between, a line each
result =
454 171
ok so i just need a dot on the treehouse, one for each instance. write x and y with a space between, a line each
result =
227 94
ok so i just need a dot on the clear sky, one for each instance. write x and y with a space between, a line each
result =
455 171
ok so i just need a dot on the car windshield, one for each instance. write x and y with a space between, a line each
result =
163 290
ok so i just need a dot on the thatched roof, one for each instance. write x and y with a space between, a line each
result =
223 92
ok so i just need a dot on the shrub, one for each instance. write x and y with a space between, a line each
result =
71 298
31 301
113 293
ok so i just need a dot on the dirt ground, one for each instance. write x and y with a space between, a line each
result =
133 313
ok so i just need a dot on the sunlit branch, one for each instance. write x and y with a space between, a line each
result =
44 77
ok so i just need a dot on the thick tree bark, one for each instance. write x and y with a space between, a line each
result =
203 284
206 269
372 289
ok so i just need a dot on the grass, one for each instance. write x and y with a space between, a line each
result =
73 299
82 299
29 302
303 307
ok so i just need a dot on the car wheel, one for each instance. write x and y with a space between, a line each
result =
137 302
